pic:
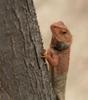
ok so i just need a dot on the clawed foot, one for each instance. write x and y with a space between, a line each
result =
43 54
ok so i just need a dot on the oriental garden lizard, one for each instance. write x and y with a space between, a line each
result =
58 57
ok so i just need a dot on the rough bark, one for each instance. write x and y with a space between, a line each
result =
23 74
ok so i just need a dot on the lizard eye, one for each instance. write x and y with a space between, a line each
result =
64 31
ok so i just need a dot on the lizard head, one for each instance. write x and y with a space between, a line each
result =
61 36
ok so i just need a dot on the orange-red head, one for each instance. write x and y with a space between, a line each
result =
61 34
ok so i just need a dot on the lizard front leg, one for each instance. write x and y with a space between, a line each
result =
50 56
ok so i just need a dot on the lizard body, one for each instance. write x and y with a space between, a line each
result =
58 57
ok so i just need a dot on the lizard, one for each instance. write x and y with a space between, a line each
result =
57 56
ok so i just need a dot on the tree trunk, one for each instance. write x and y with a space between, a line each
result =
23 74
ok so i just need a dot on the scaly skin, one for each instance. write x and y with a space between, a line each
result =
58 57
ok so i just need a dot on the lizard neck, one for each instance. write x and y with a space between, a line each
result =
63 62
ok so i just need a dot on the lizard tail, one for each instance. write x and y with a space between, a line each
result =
59 86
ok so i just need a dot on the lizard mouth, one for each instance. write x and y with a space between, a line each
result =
60 46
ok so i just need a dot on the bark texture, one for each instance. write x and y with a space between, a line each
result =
23 74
